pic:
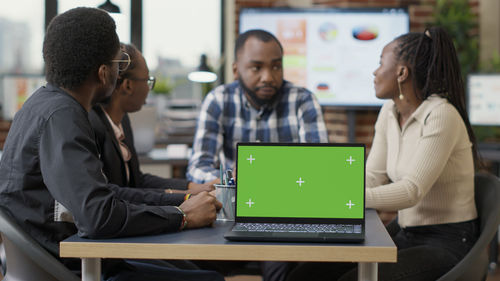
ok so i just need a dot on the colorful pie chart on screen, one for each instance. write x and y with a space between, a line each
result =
365 33
322 87
328 31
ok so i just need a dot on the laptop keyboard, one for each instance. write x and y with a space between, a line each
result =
286 227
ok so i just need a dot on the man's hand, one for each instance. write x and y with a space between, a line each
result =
195 188
200 210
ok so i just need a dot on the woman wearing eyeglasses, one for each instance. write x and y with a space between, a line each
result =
114 133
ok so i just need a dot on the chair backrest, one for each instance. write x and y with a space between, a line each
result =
143 123
474 266
26 259
2 259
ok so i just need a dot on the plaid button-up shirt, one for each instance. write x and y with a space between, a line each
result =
227 117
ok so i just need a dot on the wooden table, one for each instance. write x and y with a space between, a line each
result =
209 244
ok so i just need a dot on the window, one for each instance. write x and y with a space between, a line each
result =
21 61
122 19
175 35
21 37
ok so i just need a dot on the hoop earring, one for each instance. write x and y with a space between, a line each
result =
401 96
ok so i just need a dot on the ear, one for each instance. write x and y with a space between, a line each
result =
403 73
102 74
235 71
126 87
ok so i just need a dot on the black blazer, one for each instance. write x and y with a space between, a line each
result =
112 159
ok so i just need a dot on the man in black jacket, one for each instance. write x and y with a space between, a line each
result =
51 178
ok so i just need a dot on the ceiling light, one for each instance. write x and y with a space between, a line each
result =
109 7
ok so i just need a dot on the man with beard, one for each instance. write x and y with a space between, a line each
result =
259 107
51 178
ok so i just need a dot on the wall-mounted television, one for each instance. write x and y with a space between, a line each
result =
331 51
483 99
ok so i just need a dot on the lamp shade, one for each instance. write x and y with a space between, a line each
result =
109 7
203 74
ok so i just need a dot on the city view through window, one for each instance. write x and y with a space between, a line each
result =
175 35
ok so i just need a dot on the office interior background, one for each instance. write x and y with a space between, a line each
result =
173 36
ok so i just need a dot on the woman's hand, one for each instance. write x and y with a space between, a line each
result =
195 188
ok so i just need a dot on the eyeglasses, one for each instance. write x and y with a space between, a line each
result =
151 81
123 64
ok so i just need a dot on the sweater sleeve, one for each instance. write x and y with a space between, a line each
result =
439 134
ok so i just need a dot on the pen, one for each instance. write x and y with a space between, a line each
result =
220 172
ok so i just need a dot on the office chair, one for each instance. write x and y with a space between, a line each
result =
143 125
474 266
2 258
26 260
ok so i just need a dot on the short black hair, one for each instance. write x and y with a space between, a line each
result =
76 44
260 34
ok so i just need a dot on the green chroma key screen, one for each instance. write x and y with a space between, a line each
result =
300 181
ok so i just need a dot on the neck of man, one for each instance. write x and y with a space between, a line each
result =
83 94
254 100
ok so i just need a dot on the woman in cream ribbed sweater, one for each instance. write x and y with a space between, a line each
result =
421 163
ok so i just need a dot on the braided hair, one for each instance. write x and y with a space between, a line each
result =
433 62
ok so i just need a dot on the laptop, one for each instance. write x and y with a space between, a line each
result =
300 192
